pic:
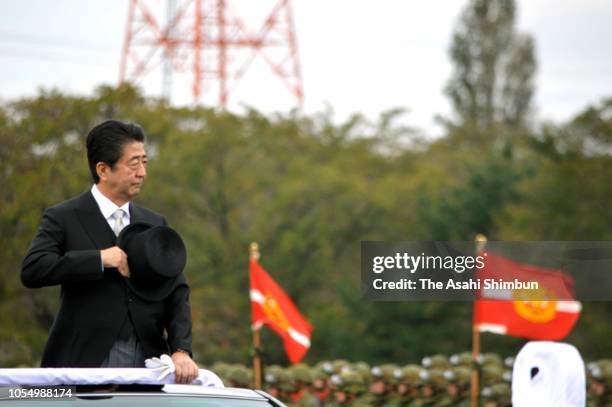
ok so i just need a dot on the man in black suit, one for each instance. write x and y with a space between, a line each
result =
100 321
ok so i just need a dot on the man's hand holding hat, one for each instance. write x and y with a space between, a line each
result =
115 257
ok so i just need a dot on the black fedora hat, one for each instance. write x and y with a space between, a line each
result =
156 256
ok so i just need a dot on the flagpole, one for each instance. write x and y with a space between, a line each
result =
257 365
481 241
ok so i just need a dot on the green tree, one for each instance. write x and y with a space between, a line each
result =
493 66
569 196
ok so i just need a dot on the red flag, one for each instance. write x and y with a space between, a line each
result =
271 306
549 312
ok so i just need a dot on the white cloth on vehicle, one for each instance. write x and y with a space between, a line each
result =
158 371
548 374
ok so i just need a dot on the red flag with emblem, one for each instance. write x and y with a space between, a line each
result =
546 313
271 306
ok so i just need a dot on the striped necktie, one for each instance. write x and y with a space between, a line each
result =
118 216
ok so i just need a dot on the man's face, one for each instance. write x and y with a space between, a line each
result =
123 182
378 387
340 396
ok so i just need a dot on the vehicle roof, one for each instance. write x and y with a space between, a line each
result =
96 376
168 390
128 382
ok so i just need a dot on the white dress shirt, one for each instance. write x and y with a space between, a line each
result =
108 208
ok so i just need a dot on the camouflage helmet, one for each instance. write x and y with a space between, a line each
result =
491 375
489 359
326 367
286 381
435 362
461 359
498 392
239 376
434 377
385 373
338 364
459 375
277 377
398 375
348 381
363 369
600 371
319 374
302 373
272 375
411 375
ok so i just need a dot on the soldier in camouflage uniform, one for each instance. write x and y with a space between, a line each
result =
320 385
434 389
491 375
286 384
599 383
363 369
348 388
407 391
382 384
304 395
272 378
322 372
463 364
497 395
459 385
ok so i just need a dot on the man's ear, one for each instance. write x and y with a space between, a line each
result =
102 170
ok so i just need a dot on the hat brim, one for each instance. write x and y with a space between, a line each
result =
157 293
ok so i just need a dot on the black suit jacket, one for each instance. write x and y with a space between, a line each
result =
95 304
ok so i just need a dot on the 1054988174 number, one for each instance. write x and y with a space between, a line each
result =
39 392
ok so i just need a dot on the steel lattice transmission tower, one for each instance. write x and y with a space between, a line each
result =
208 39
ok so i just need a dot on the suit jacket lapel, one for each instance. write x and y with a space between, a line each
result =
93 222
136 214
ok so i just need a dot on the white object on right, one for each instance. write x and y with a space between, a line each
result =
548 374
163 365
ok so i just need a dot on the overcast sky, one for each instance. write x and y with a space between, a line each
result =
362 56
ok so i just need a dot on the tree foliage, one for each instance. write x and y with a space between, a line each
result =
308 191
493 66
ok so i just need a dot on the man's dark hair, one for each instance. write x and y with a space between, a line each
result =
105 143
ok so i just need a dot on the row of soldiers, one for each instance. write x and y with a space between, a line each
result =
437 381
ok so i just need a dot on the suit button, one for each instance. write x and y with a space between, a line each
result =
130 299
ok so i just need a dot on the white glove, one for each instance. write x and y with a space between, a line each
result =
163 364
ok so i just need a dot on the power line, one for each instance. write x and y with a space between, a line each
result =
54 49
51 42
21 53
